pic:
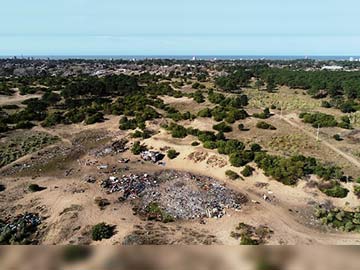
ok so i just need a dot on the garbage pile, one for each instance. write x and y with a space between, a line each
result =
20 229
180 195
131 185
152 156
186 196
114 148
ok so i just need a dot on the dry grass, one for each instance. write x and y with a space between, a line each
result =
286 98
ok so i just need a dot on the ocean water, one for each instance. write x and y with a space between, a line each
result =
185 57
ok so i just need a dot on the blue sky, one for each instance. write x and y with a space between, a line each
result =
183 27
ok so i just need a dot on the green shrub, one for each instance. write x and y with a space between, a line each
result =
241 127
232 175
247 240
222 127
178 131
155 212
230 146
102 231
264 125
172 154
337 137
255 147
247 171
126 124
195 144
210 145
319 119
35 188
24 125
241 158
94 118
204 136
336 191
264 115
53 119
3 127
356 191
137 148
101 202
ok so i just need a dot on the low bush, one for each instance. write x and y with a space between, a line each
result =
35 188
102 231
172 154
334 190
264 125
247 171
356 191
337 137
232 175
195 144
222 127
101 202
137 148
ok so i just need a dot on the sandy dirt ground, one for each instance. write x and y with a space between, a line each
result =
68 207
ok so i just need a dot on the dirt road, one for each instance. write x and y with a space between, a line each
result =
288 119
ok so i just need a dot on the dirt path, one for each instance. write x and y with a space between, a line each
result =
16 98
348 157
282 216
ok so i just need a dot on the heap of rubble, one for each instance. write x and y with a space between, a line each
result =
152 156
20 229
131 185
114 148
186 196
180 195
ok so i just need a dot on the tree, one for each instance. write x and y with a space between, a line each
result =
222 127
241 158
247 171
258 84
255 147
137 148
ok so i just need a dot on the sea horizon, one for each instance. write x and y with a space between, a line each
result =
186 57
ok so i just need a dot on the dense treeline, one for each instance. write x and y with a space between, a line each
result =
235 81
343 87
325 120
229 109
88 99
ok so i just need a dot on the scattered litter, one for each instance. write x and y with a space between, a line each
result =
124 160
90 179
152 156
131 185
162 163
114 148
